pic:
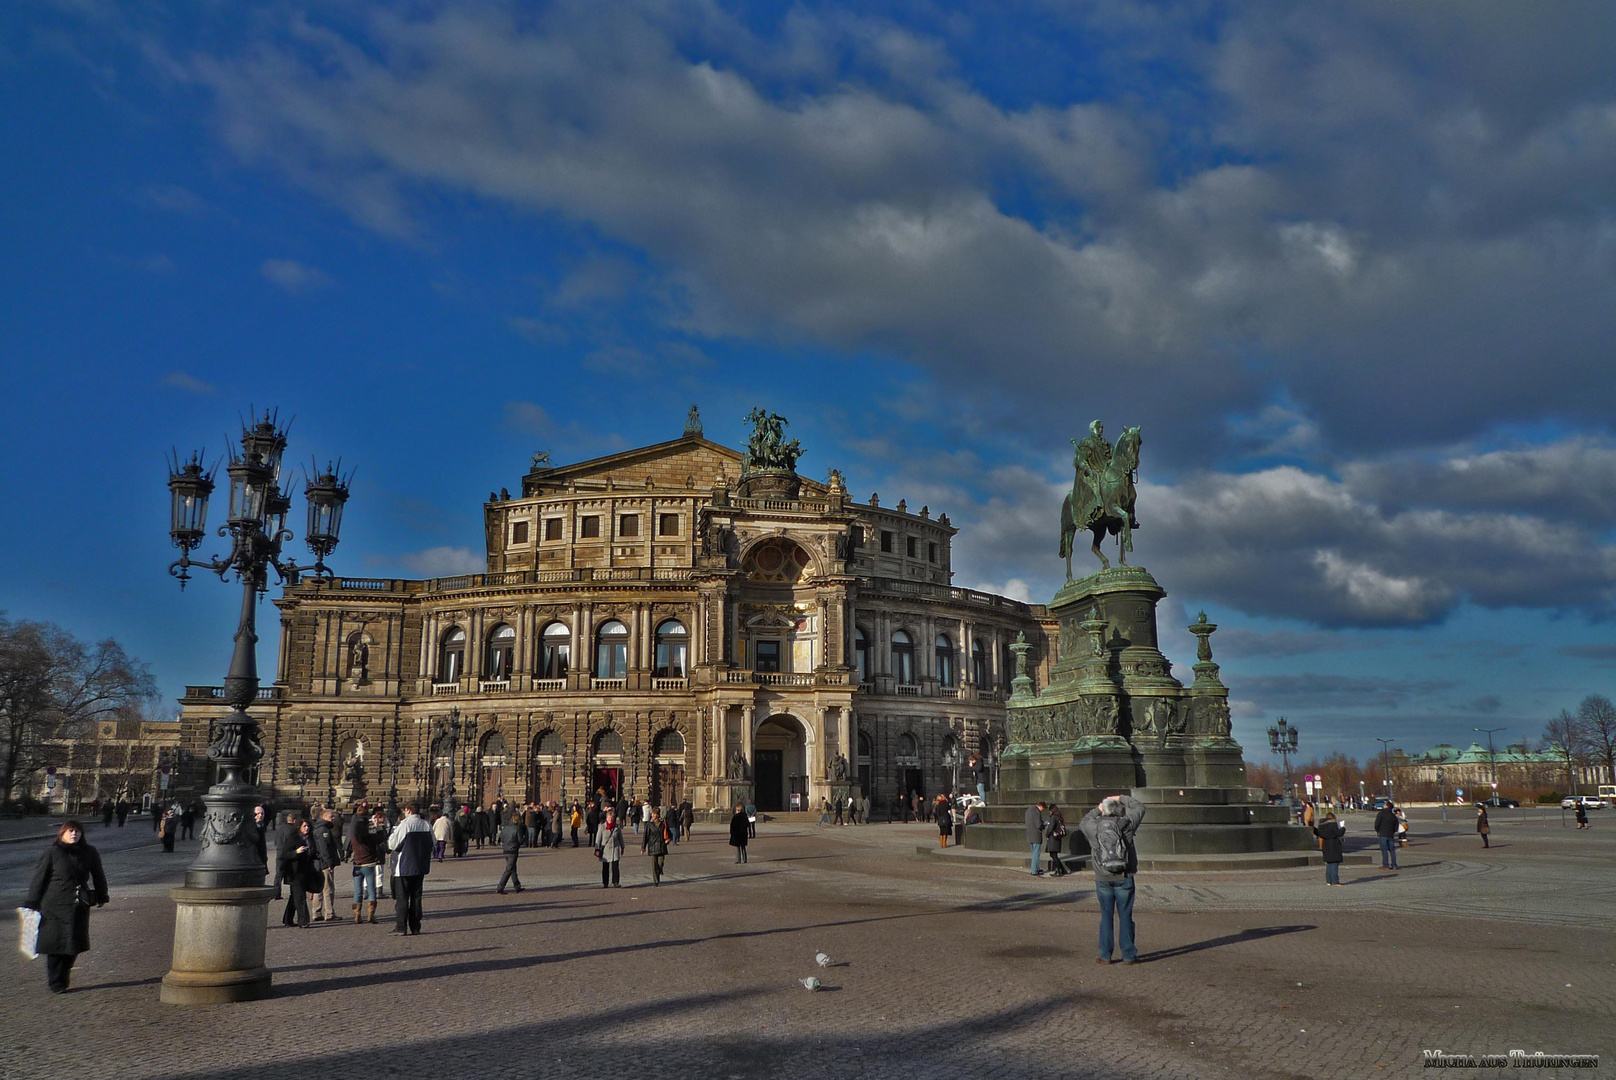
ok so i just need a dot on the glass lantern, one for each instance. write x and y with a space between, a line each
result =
189 487
326 493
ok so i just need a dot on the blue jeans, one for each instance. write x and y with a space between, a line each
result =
1388 852
1116 896
1332 873
364 878
1037 858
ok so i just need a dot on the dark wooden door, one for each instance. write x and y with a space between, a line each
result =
770 780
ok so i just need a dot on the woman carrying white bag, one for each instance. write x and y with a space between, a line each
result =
67 882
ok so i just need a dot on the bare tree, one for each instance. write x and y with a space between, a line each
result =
1598 718
52 687
1566 737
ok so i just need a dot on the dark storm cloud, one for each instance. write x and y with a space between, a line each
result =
1414 245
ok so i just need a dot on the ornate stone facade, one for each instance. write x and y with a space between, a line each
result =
655 621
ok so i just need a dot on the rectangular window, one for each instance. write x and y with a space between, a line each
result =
857 536
909 543
589 526
552 528
931 552
768 656
519 533
669 525
886 540
628 525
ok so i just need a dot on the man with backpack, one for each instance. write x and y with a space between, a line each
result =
1110 829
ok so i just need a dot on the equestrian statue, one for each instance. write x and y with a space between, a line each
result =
1102 495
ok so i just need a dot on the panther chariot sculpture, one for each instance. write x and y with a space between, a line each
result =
1102 495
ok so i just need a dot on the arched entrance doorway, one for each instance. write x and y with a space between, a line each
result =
668 775
544 783
606 765
493 764
781 768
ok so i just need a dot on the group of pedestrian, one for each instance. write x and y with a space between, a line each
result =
845 810
1046 832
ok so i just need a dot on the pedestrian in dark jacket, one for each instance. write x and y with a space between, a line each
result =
327 857
512 835
738 833
655 844
168 828
1033 821
1114 823
1055 840
285 833
299 874
1481 824
365 846
260 826
67 883
945 821
1330 831
687 818
1386 832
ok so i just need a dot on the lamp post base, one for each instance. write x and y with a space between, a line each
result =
218 946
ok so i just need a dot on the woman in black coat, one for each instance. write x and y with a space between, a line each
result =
737 833
67 882
1330 831
300 875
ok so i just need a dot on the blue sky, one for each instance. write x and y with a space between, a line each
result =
1349 266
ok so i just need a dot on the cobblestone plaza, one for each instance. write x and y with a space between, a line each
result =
947 967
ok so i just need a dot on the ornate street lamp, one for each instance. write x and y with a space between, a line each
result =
447 734
1282 741
221 913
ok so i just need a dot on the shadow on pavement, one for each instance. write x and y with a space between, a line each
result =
1255 934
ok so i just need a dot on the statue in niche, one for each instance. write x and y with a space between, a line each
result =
359 663
737 766
353 766
838 767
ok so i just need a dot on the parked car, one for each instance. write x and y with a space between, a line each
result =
1590 801
1499 800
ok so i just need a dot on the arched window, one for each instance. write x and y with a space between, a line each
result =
861 654
611 655
452 656
866 748
669 744
672 650
501 657
907 747
945 661
555 651
608 744
979 663
903 658
548 745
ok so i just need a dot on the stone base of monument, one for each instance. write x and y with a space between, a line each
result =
218 946
1113 720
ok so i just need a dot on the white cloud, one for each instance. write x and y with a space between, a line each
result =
1292 217
444 561
293 276
181 380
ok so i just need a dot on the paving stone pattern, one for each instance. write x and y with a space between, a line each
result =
945 971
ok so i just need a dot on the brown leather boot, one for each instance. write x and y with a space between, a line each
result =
356 919
373 912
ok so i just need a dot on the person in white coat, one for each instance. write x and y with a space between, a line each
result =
609 848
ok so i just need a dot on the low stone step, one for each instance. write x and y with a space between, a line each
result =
1261 860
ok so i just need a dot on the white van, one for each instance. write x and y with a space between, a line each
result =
1607 792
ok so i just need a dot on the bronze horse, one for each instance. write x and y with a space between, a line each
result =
1108 511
